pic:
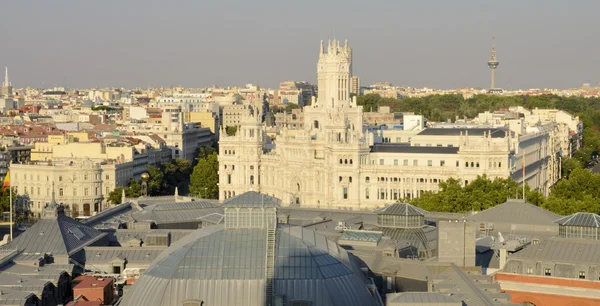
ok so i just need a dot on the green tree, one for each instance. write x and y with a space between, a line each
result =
205 177
156 183
115 195
290 106
5 199
480 194
133 189
231 130
570 164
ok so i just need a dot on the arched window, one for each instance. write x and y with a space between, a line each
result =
350 179
298 186
472 165
340 178
367 179
350 161
467 164
316 124
345 161
341 161
477 165
499 164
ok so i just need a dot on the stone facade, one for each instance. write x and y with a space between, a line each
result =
77 184
333 161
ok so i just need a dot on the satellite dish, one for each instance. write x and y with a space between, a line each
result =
500 237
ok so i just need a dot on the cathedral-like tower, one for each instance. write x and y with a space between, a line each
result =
334 74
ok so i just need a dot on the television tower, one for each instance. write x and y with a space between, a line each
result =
493 63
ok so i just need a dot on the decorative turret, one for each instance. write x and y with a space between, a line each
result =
53 210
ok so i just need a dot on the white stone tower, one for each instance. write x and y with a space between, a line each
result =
334 73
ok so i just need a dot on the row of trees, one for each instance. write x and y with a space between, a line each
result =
577 193
444 107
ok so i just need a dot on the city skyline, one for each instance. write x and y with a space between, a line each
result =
154 44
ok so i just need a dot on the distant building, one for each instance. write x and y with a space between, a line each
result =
355 85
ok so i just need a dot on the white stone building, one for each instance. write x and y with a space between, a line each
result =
333 161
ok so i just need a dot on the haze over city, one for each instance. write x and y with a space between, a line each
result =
438 44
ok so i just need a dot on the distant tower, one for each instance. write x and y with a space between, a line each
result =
493 64
6 89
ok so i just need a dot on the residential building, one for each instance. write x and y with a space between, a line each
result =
355 85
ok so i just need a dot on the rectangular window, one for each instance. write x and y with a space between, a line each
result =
406 162
367 193
547 272
389 283
430 163
442 163
345 193
381 161
86 192
529 270
395 162
228 178
415 162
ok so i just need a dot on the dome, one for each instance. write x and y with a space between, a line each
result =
220 266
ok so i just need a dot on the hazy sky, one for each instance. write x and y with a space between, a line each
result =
440 44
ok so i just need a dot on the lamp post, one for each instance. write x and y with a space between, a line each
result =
205 192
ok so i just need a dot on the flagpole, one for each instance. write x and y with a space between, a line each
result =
11 209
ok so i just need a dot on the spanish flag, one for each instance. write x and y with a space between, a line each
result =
6 181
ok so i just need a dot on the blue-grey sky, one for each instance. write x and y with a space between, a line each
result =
440 44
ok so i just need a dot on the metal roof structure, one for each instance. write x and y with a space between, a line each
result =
461 285
131 254
428 298
179 212
252 199
580 219
401 209
57 235
365 236
495 132
561 250
423 238
112 217
516 212
227 267
122 236
402 148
